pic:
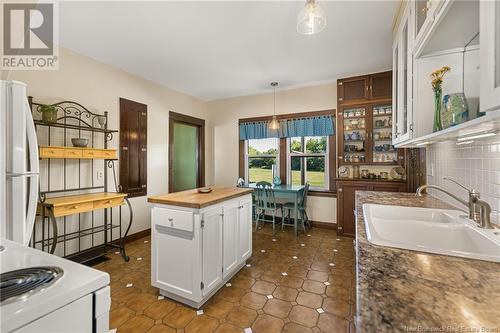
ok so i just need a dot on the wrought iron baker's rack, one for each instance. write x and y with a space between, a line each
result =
76 117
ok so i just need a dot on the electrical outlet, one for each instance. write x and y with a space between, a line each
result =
100 175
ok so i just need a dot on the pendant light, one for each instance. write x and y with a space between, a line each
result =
274 124
311 18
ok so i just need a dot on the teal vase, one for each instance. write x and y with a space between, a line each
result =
437 110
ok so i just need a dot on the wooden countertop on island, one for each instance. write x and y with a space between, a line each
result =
193 199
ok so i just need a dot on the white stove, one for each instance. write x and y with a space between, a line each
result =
65 296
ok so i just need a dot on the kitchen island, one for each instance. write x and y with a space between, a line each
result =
400 290
199 241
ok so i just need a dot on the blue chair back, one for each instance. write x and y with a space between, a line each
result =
265 196
302 202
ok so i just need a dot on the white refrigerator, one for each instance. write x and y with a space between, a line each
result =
18 164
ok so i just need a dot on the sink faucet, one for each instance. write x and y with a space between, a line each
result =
482 218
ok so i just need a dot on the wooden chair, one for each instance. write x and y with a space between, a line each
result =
302 210
265 202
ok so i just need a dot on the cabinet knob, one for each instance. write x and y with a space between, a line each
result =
340 190
75 207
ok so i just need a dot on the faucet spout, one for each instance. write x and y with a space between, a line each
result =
424 187
479 210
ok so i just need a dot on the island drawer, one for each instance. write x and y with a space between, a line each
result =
172 218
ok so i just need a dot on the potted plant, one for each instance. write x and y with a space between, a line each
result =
49 113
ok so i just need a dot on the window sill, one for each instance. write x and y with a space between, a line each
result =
322 193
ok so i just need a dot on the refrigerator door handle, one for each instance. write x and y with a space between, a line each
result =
26 174
33 174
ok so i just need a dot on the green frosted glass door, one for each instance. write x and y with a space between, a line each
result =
185 157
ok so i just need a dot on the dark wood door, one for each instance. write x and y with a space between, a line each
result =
133 147
345 207
381 85
353 90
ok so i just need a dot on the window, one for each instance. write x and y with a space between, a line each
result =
261 157
296 160
307 161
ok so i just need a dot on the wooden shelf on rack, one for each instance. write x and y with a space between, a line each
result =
76 153
75 204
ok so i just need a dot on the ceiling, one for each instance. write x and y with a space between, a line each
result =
215 50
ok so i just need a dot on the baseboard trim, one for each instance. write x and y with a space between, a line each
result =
316 224
324 225
135 236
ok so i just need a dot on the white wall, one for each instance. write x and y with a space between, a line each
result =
225 115
475 166
99 87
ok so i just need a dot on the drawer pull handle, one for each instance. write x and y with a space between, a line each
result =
75 207
170 219
110 201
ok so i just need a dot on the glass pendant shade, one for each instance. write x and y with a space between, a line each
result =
274 124
311 18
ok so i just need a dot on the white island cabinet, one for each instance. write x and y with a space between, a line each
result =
199 241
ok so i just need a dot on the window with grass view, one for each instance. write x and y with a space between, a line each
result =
308 161
261 155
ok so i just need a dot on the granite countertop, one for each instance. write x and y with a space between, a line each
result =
193 199
408 291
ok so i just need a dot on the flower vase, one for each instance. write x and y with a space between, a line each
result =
437 110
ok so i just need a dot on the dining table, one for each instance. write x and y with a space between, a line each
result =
288 192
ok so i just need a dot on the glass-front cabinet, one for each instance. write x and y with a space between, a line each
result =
490 55
402 78
381 136
354 138
366 136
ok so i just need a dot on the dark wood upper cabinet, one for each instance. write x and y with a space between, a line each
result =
365 88
353 90
133 147
381 85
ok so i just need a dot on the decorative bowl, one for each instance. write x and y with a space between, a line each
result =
79 142
205 190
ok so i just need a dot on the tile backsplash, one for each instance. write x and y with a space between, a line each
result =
475 165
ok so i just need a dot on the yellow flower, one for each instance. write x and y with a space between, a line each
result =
438 75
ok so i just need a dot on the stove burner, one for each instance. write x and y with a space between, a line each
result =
25 282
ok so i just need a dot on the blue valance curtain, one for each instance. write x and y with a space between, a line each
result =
310 126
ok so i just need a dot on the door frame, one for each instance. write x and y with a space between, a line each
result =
175 117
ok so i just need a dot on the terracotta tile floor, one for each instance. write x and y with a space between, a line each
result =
317 293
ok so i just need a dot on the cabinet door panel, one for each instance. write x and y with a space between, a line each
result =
174 258
353 89
381 85
490 55
230 237
211 250
388 187
346 206
245 229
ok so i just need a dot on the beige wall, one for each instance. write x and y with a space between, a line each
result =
225 115
99 87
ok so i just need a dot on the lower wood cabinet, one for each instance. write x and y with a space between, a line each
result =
346 194
194 252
